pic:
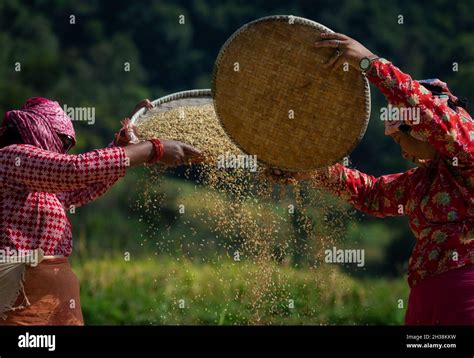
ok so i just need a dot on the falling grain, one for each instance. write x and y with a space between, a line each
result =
246 211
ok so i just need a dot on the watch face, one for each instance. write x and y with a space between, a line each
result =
364 64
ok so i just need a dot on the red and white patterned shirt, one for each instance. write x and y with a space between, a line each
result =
39 186
439 198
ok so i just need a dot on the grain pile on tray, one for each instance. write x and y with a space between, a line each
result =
194 125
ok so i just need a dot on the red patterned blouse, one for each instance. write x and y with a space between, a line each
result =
438 199
37 187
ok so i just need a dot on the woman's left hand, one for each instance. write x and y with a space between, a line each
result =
347 50
125 135
143 103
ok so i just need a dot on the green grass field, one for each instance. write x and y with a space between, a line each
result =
165 291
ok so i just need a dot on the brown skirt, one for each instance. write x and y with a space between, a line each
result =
53 292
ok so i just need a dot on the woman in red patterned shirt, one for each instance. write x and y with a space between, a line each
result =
437 196
39 183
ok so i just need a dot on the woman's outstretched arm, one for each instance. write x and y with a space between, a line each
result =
123 138
26 167
388 195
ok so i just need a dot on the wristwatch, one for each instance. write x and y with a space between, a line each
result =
365 63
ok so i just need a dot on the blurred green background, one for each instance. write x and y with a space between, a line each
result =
82 65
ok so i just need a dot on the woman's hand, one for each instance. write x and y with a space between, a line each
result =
346 50
143 103
128 132
178 153
175 153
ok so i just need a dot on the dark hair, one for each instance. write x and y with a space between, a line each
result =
436 91
10 136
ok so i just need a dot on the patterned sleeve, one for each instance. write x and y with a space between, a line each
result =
451 133
26 167
83 196
383 196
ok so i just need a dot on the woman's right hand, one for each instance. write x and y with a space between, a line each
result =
348 50
178 153
175 153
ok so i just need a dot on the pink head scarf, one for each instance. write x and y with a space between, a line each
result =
39 122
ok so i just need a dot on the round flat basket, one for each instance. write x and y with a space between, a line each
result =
275 99
197 97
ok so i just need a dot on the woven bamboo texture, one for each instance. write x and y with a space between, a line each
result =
275 100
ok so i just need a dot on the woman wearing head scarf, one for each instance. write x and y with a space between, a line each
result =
437 196
39 183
